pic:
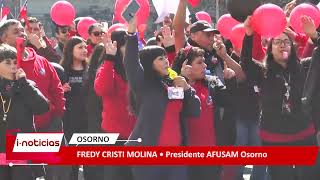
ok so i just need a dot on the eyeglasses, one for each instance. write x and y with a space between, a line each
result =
96 33
278 42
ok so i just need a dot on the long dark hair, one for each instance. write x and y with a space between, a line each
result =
67 60
94 103
95 61
293 69
147 55
90 29
120 37
293 59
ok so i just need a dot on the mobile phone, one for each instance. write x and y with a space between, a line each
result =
131 10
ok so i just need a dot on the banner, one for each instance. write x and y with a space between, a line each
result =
179 155
166 7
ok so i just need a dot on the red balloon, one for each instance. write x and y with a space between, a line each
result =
63 13
115 27
225 25
194 3
269 20
84 25
301 10
142 14
237 35
201 15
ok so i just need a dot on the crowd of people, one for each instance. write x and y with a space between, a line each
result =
186 86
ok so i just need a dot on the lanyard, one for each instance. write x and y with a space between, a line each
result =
287 85
286 104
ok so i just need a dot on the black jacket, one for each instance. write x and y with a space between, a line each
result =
271 81
26 101
153 100
311 92
247 100
48 52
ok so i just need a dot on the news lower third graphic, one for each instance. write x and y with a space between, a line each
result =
97 138
169 154
38 142
99 149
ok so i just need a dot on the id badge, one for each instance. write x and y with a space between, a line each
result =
175 93
256 89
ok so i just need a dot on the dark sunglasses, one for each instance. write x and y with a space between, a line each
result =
98 33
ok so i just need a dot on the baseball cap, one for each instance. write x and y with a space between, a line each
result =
202 26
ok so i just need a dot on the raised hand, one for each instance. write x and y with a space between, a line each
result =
289 7
36 41
168 36
186 69
132 26
220 48
290 32
308 27
20 74
111 47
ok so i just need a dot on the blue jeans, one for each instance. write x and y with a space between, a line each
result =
247 135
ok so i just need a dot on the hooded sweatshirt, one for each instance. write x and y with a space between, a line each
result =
39 70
